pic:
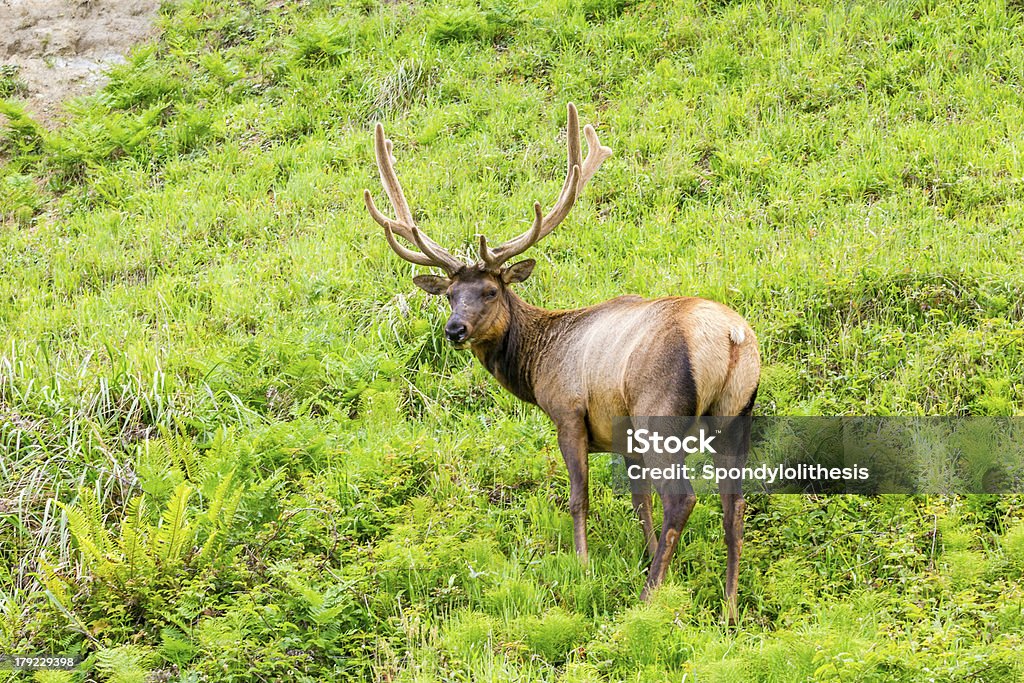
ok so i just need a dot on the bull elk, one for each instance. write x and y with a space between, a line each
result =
629 356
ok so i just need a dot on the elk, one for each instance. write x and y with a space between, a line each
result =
629 356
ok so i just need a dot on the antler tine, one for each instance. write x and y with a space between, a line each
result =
572 142
440 257
389 179
596 154
389 233
496 258
382 220
433 254
406 253
578 173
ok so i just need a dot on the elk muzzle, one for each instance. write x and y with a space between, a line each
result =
457 333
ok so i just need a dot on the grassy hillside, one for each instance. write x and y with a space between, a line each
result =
232 437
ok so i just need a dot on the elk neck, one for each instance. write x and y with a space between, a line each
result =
512 358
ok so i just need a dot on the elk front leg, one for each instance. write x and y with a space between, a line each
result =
572 441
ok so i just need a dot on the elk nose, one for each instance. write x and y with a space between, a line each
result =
455 331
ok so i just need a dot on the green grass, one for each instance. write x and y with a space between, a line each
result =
191 293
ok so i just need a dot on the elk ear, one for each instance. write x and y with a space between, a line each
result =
517 272
432 284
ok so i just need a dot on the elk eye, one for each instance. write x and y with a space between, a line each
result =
490 293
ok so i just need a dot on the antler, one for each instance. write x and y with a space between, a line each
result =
431 253
577 175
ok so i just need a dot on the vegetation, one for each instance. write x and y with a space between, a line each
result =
234 446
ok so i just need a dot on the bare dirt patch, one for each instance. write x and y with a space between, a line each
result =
61 48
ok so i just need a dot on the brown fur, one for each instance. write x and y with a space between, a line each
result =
625 357
611 359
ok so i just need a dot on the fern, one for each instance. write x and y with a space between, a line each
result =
134 533
184 450
175 529
143 549
57 587
125 664
220 513
217 504
22 134
210 548
82 530
176 647
324 608
86 524
328 616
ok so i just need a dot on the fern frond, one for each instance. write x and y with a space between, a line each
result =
48 577
220 495
135 532
210 547
313 598
220 513
174 530
325 616
185 452
125 663
89 533
227 514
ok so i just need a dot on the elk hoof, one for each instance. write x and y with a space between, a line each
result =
730 613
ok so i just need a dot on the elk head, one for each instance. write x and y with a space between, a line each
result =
477 292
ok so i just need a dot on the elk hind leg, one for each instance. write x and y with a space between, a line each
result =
643 506
678 505
738 439
733 506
